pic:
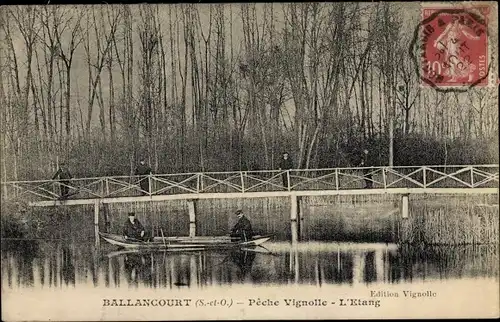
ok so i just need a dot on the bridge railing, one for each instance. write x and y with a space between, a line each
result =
455 176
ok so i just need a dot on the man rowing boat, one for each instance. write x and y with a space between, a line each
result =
133 229
243 228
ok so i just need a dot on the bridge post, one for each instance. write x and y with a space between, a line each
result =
336 179
242 180
295 217
107 187
150 185
404 206
192 217
107 222
384 173
96 222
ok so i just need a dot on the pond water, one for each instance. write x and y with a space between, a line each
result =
43 263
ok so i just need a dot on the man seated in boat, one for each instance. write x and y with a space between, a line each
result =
133 229
243 228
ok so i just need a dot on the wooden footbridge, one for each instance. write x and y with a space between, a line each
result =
251 184
404 180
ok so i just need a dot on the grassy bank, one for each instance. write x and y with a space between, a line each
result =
452 220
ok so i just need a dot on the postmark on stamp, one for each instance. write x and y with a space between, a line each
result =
450 48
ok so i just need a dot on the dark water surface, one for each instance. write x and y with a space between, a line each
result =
63 263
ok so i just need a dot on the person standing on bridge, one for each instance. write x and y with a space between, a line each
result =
64 178
133 229
285 164
243 228
366 161
143 170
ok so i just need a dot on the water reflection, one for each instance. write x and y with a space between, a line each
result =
58 264
243 260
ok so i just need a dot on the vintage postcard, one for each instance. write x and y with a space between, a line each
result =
249 161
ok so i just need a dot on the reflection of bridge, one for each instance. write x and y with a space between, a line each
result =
460 179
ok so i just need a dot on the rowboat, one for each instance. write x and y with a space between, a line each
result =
184 243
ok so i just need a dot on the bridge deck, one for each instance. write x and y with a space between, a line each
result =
264 194
456 179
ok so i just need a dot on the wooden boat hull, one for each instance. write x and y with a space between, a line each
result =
184 243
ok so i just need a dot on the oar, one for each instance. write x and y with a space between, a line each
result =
135 239
163 238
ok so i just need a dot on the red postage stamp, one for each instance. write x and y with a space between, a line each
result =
454 47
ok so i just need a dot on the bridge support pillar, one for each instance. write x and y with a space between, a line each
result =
192 217
96 221
295 218
404 206
107 221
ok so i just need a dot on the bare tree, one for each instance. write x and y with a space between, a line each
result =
479 102
74 39
408 89
387 42
96 29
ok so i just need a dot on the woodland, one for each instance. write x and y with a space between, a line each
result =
225 87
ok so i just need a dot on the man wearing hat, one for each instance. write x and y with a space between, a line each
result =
243 228
133 228
64 179
143 170
285 164
367 161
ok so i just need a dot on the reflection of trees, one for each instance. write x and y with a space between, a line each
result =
183 270
322 267
113 268
67 266
27 254
154 269
191 270
58 264
55 264
444 262
19 257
